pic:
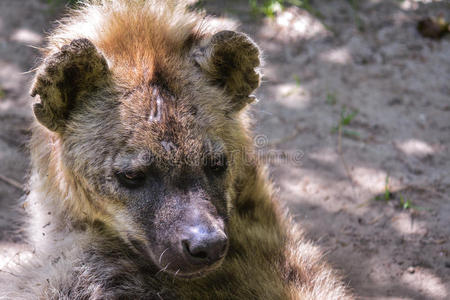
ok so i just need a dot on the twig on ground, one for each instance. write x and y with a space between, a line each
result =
427 189
374 220
288 138
12 182
341 156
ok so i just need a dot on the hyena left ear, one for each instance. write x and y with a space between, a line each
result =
230 59
64 77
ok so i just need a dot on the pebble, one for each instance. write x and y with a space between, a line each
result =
411 270
395 101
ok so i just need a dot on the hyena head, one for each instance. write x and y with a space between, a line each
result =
150 137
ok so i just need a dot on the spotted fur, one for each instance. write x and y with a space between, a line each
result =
147 85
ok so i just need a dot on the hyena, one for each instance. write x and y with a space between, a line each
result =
144 181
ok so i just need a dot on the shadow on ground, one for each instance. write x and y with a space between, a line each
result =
398 142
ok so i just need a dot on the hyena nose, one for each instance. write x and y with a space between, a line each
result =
204 247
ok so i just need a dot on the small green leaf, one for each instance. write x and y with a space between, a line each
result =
297 79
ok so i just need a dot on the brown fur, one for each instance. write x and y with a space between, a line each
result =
145 84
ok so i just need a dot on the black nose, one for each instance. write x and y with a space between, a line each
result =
203 246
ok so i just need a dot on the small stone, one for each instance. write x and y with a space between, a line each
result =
411 270
395 101
433 28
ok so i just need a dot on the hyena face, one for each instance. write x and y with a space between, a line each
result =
165 174
153 156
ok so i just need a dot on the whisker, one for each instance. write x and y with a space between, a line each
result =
163 269
28 72
160 257
175 275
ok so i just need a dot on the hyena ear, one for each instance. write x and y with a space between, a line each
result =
230 60
77 69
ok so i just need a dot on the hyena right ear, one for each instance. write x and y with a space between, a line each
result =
77 69
230 60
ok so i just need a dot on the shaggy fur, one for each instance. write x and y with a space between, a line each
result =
146 85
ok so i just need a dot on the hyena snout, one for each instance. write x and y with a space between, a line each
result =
190 237
202 246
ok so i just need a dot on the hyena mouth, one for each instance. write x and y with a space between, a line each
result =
191 255
200 272
197 274
188 261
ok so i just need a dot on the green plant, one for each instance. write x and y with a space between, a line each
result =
358 21
405 204
345 120
306 6
294 89
331 98
269 7
387 194
297 79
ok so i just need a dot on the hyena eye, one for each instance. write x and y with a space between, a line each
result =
217 164
131 179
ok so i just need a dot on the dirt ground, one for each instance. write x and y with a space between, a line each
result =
374 192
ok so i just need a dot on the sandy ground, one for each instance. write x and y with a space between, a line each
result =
370 63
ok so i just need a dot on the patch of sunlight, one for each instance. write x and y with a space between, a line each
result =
311 189
326 155
219 23
338 56
415 147
306 188
6 105
414 4
403 224
373 180
292 95
427 282
299 23
26 36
